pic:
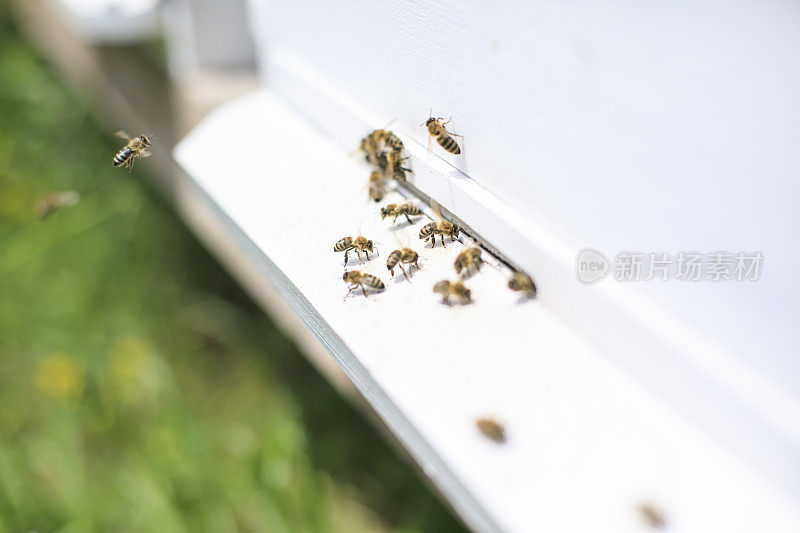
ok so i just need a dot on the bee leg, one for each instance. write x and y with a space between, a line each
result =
429 142
443 244
391 271
408 218
345 257
394 219
364 291
404 273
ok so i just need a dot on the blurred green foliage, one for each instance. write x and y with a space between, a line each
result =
140 390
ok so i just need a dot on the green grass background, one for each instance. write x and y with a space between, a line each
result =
140 389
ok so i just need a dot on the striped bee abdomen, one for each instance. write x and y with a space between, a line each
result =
371 281
343 245
394 258
427 230
447 142
393 141
122 156
411 209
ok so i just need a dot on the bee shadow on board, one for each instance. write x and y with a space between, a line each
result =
354 261
524 299
411 270
357 293
400 225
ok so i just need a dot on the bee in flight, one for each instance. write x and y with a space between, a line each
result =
439 227
491 429
404 254
521 282
445 139
468 262
54 200
376 186
136 147
358 279
359 244
453 288
407 208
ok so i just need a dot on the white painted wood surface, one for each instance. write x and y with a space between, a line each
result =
620 125
111 21
207 35
587 442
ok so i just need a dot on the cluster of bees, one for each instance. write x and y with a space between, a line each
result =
383 150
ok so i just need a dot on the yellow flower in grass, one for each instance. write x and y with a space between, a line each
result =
59 376
133 371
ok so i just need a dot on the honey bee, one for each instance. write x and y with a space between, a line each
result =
651 515
394 166
136 147
404 254
492 429
372 146
521 282
445 139
54 200
440 227
453 288
376 186
359 244
409 209
389 139
358 279
468 262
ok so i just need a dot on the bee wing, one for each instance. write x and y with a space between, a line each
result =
406 240
436 211
145 153
399 242
122 134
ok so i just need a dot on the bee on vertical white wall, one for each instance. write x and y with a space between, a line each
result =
437 130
